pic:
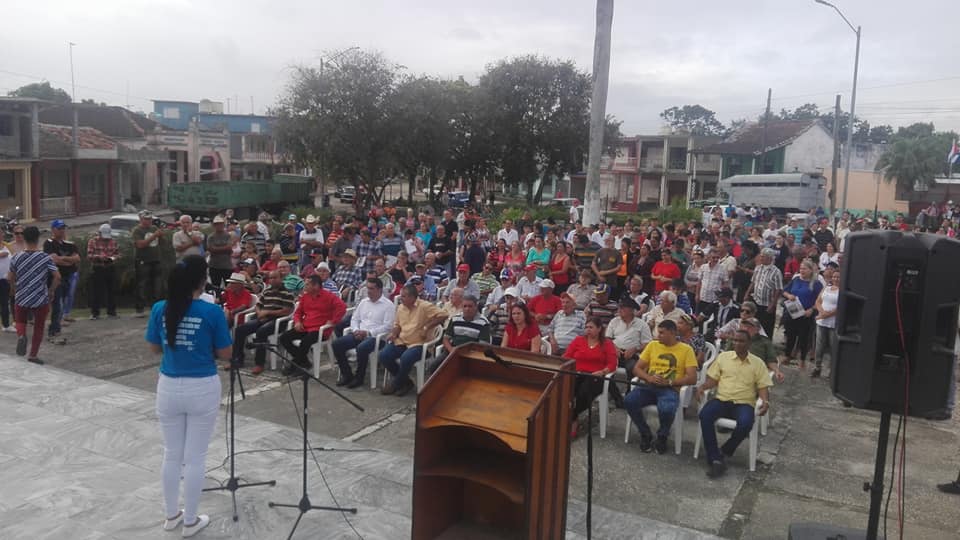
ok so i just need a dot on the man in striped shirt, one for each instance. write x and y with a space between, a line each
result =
602 306
468 327
29 273
275 302
566 325
765 289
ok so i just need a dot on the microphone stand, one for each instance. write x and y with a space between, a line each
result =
233 484
304 505
491 354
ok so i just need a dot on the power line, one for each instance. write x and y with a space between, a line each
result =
92 88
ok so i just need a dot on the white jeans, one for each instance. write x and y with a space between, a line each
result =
187 408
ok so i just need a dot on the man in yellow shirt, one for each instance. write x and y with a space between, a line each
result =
739 378
665 365
411 329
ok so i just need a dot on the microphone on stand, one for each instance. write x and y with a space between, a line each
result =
491 354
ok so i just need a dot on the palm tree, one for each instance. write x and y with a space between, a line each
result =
913 162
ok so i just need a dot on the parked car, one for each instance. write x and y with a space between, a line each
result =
565 202
346 193
458 199
123 224
436 190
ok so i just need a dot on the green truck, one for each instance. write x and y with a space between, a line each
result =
245 197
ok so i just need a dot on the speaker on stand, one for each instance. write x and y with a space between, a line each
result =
896 330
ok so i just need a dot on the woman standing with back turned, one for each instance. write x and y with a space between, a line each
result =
190 333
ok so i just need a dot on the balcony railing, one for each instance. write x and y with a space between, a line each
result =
652 163
56 206
257 156
678 165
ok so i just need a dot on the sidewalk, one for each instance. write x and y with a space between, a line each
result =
82 456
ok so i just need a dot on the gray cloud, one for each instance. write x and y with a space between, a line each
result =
723 55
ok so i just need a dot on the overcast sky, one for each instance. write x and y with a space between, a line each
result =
723 55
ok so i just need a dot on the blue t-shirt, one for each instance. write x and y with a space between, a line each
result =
806 294
202 331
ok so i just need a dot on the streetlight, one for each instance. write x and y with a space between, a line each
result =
853 104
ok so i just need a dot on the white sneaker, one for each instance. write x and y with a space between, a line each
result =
171 524
9 329
202 521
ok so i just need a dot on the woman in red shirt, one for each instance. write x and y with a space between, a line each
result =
664 272
498 256
522 331
560 267
596 355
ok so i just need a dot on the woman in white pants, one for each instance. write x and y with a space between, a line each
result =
189 333
826 321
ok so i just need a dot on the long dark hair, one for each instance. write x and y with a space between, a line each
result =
527 317
187 276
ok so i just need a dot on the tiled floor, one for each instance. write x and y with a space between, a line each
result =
80 460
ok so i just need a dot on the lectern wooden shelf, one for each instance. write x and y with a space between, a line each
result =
492 448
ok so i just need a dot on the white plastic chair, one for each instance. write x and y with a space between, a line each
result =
371 362
429 349
753 440
676 428
545 347
603 400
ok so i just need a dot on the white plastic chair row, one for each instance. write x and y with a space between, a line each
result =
428 350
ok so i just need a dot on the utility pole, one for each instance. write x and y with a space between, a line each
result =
598 110
836 158
73 102
763 136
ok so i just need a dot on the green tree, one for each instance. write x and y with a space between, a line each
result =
42 91
423 111
694 119
807 111
338 118
916 157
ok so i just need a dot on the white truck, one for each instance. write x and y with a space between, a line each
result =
782 193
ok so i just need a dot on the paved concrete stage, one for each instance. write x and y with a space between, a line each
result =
81 460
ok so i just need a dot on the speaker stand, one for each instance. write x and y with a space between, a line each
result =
822 531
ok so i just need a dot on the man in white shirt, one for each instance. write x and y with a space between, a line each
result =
311 238
566 325
529 284
629 334
374 316
600 235
574 214
508 234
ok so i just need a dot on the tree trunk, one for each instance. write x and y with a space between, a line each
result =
411 184
598 109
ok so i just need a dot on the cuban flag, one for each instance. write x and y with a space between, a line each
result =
954 155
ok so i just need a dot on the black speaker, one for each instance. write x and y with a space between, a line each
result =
869 364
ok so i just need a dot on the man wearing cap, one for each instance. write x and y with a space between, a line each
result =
529 284
414 323
146 243
102 252
275 302
567 324
236 298
374 316
501 315
311 240
323 271
463 281
545 305
249 269
601 306
726 309
665 365
425 284
186 241
65 255
495 298
251 233
436 271
765 289
629 334
220 247
348 276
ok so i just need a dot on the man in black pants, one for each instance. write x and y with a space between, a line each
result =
146 264
275 302
102 252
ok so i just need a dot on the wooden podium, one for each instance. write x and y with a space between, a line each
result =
492 448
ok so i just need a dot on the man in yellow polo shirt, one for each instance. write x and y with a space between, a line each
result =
411 329
739 378
665 365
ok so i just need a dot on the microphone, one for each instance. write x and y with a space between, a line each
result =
489 353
